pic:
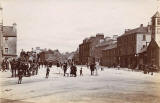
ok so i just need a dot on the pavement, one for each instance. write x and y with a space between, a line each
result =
109 86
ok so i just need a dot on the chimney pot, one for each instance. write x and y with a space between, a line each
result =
141 25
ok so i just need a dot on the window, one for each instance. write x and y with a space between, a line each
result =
6 50
144 37
144 46
6 38
158 21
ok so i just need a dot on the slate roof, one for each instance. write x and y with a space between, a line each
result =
9 31
143 49
157 14
111 46
153 41
140 30
105 43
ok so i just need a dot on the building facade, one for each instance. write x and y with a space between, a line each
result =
107 41
9 41
84 51
153 50
130 44
87 49
110 55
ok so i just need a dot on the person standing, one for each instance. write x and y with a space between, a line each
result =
20 73
81 72
47 71
92 68
12 67
75 70
64 68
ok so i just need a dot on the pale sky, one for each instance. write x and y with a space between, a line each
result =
63 24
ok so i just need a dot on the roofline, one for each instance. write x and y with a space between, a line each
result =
9 36
147 33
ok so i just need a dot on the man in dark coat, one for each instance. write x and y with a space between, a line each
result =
13 67
20 73
47 71
3 65
92 67
75 71
64 68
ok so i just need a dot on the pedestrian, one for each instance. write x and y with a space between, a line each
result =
92 68
75 71
3 65
20 76
47 72
81 72
12 67
65 68
7 64
36 68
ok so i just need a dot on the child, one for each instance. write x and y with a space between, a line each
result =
81 74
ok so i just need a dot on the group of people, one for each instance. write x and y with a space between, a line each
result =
72 71
148 68
20 67
25 67
4 65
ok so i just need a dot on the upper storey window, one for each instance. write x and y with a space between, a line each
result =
158 21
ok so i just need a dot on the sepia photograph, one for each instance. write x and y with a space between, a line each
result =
79 51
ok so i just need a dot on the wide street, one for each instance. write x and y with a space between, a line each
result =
109 86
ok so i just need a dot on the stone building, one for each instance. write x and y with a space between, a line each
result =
110 55
10 41
76 57
130 44
102 45
47 56
142 56
153 50
86 49
51 55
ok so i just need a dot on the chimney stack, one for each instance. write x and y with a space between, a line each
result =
141 25
15 27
